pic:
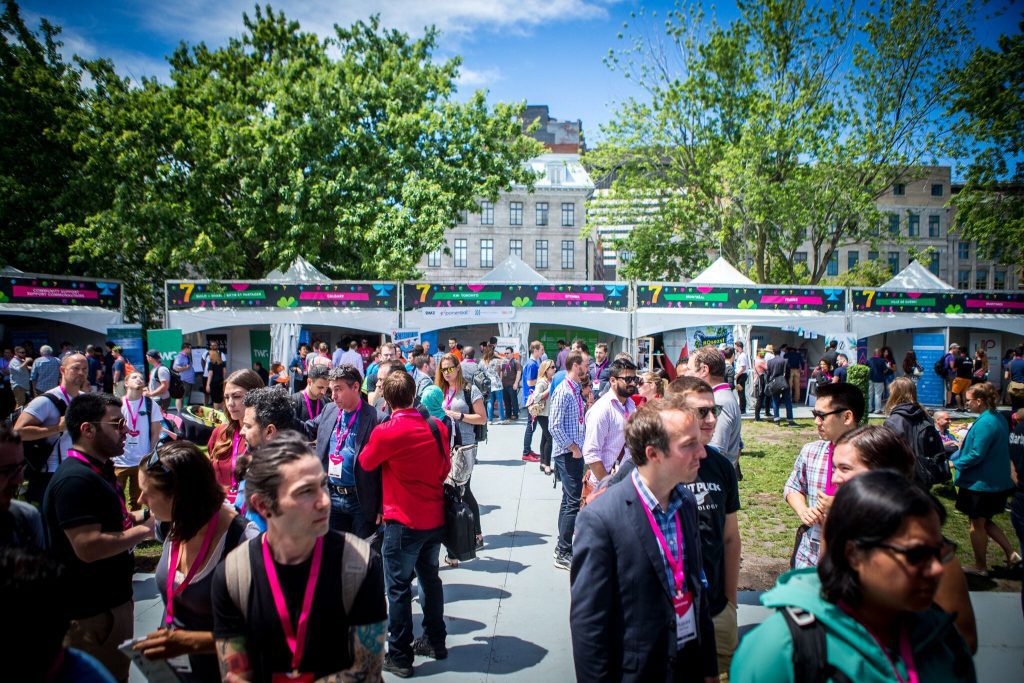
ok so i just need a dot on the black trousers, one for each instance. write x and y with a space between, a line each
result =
741 389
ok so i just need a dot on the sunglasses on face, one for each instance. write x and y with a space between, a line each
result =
821 415
117 424
629 380
704 411
447 371
12 470
920 554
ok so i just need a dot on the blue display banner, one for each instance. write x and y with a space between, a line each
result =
930 347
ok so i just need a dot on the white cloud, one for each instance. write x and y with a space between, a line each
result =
472 78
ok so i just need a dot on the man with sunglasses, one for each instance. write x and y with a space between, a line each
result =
604 445
21 525
92 533
707 363
838 409
718 499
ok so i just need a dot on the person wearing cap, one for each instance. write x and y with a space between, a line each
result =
159 381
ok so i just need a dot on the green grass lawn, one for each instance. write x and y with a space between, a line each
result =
768 525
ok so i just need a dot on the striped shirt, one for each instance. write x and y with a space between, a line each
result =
605 425
810 475
666 522
566 416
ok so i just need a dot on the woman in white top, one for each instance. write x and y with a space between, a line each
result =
539 397
143 420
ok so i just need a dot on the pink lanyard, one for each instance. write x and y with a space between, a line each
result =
339 438
578 396
830 488
676 565
906 652
127 520
623 407
295 638
448 399
721 387
133 418
309 407
172 568
236 440
67 399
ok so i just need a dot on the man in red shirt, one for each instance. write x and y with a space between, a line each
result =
414 462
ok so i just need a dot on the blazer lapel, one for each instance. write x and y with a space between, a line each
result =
642 529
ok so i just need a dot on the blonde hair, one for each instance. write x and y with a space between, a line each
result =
458 381
544 367
986 393
902 390
657 380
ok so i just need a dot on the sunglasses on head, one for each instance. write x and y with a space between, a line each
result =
919 554
154 464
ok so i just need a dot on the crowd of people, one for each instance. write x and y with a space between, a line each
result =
293 537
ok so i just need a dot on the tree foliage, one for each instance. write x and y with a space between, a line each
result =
784 125
349 150
989 104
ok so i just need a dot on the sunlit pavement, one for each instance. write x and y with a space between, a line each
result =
507 611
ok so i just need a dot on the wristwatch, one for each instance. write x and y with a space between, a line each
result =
462 416
145 514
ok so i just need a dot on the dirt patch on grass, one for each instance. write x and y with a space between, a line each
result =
758 573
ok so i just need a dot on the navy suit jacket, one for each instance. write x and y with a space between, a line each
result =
621 616
368 483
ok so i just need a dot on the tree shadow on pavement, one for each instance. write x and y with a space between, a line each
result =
484 509
458 625
455 592
498 655
518 539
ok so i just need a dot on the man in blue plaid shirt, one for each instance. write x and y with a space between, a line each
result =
567 428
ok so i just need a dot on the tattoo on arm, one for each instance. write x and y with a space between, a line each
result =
366 643
233 660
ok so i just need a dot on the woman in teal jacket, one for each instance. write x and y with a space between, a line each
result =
983 475
869 600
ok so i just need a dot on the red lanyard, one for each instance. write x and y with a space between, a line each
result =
448 398
577 395
294 637
172 568
133 418
674 563
339 438
830 488
236 440
127 520
309 406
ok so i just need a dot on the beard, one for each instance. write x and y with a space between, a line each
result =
623 392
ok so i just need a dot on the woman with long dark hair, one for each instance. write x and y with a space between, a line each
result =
540 396
870 598
215 369
179 486
226 444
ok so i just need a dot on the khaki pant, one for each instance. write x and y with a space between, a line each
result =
20 397
100 636
726 638
794 384
129 475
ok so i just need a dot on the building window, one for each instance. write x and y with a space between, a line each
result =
899 189
460 253
800 257
542 213
872 256
894 224
541 250
463 218
568 214
933 265
981 278
515 247
486 253
852 259
913 225
999 279
894 262
515 213
568 255
963 278
486 213
833 264
933 226
963 250
936 189
434 258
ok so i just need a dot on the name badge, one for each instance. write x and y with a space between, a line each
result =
294 677
686 624
334 468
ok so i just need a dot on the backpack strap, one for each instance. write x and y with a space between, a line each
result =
810 649
432 423
238 576
62 408
355 560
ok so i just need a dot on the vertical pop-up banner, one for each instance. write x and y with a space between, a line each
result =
259 348
167 342
129 338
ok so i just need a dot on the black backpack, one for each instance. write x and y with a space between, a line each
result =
810 649
931 461
37 452
481 382
940 367
176 387
479 431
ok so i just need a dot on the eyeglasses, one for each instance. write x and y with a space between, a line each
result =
920 554
154 464
118 424
447 371
821 415
12 470
704 411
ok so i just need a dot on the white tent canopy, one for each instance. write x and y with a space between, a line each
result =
301 270
721 272
916 277
513 269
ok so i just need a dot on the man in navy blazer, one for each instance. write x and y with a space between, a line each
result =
633 615
356 495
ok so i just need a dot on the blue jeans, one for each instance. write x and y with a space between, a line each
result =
528 436
406 553
786 398
496 398
346 515
570 471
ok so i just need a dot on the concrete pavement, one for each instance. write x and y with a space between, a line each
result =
507 611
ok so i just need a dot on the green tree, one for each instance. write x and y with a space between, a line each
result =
40 116
348 150
785 125
989 101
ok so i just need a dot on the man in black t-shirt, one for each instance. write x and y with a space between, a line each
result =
718 498
345 624
831 354
91 532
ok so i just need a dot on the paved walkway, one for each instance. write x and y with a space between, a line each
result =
507 611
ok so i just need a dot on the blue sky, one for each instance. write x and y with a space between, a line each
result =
541 51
